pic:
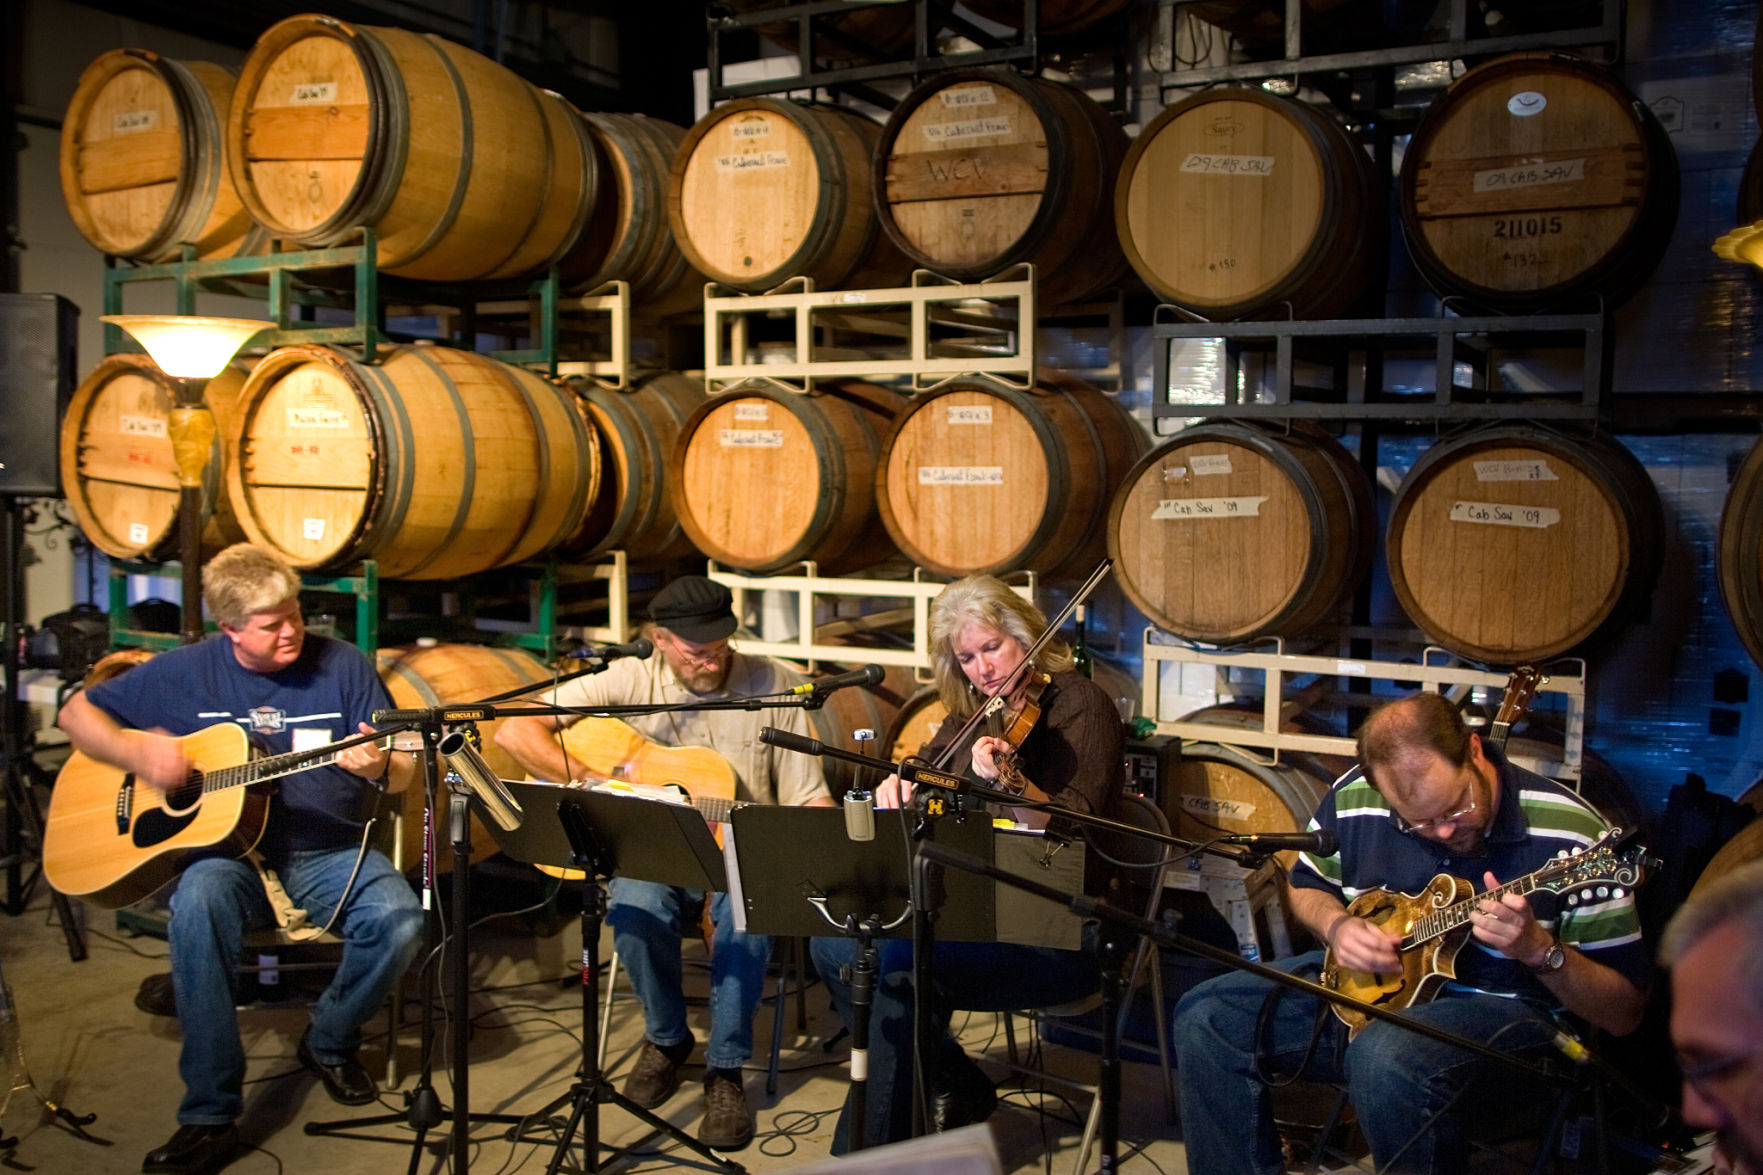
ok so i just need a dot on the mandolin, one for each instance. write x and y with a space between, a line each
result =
1434 923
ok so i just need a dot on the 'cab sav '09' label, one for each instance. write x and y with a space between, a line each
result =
969 128
957 96
1178 509
960 475
751 438
754 161
133 122
1501 514
1204 164
970 414
313 93
1528 175
1535 469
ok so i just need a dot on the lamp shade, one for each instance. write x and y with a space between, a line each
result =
187 345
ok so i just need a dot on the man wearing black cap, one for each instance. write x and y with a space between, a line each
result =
691 620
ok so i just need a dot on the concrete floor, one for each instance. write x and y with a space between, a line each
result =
86 1045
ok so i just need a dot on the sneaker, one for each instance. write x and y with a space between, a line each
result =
728 1122
656 1075
193 1150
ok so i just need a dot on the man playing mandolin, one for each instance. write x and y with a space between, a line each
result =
1434 800
290 692
691 621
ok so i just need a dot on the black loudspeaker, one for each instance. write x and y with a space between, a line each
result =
38 344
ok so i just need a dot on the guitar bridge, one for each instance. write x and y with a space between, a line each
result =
125 804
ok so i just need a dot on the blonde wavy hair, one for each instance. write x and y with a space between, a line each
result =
984 600
245 579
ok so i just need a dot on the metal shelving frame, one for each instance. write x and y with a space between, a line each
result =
1451 340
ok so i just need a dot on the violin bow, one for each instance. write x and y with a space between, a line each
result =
992 702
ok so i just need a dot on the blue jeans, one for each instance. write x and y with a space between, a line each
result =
647 921
217 900
971 976
1397 1079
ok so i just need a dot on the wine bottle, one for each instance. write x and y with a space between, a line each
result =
1080 652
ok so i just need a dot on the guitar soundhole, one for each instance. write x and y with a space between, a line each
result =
186 796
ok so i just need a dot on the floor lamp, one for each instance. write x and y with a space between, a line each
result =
191 350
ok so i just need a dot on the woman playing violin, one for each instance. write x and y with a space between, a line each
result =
1061 740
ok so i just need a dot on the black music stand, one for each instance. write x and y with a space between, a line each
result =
606 835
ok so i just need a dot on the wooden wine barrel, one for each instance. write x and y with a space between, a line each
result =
981 169
1228 532
143 159
419 676
1738 555
118 470
849 710
1513 544
977 477
627 236
438 463
463 169
1234 202
634 432
1057 18
763 478
1538 179
763 190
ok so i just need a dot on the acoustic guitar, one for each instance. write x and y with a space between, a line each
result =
618 754
111 840
1434 923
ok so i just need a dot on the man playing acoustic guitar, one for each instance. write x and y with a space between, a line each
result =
692 619
1434 800
290 692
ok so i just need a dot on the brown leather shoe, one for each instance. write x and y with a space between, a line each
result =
728 1122
193 1150
656 1075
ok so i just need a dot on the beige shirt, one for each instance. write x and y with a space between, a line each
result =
765 774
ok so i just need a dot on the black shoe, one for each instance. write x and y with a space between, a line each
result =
194 1150
656 1073
347 1083
962 1096
155 997
728 1121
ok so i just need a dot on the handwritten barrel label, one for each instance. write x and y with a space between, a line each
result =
960 475
752 438
1179 508
757 161
971 128
968 96
1213 806
1535 469
1205 164
1500 514
131 122
1209 463
313 94
1529 175
312 529
316 416
752 412
138 533
140 426
756 128
970 414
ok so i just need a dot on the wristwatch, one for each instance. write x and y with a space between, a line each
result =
1554 959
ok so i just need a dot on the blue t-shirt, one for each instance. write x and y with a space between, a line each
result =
316 700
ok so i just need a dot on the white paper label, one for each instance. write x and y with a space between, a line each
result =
310 738
961 475
1536 469
1350 668
138 533
968 96
140 426
1178 508
853 297
1526 103
132 122
756 161
316 416
313 93
1213 806
1498 514
752 438
1529 175
1205 164
971 128
1175 473
312 530
752 412
970 414
1203 464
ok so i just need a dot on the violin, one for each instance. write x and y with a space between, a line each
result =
1018 727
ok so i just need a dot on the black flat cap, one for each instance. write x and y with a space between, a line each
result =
694 608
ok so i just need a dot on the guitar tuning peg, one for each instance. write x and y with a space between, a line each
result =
1573 899
1603 891
1618 893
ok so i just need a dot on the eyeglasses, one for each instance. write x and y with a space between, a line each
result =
1703 1075
1437 821
704 654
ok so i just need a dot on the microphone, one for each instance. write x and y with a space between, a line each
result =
868 675
1324 842
790 741
641 649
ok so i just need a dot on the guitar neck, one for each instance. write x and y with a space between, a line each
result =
261 770
715 809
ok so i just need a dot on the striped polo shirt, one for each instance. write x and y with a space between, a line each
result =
1537 820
